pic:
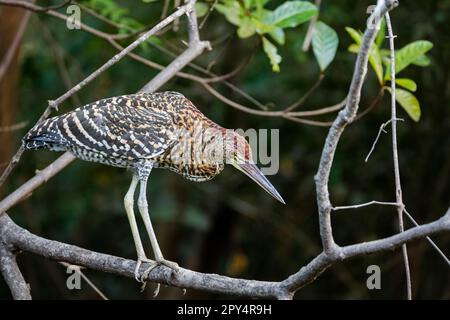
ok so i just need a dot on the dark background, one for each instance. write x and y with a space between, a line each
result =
229 225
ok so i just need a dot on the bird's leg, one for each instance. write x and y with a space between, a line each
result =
143 209
129 203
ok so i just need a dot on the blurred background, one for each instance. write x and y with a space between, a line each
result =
229 225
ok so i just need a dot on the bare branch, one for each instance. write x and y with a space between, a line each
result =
40 178
11 273
323 261
21 239
380 130
195 48
434 245
362 205
307 94
398 185
344 117
14 127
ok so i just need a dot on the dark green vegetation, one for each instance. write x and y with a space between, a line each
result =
228 225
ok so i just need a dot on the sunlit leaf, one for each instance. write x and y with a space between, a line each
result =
408 102
324 43
356 36
353 48
232 11
408 54
407 84
422 61
277 34
246 29
272 53
292 13
374 55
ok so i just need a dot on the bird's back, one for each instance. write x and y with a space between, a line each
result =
123 131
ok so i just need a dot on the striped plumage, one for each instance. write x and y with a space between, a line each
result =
123 131
145 131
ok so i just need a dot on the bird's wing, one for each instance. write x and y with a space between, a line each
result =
125 127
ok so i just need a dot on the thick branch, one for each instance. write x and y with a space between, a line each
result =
323 261
20 238
24 240
11 273
344 117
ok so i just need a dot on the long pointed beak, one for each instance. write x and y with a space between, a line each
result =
252 171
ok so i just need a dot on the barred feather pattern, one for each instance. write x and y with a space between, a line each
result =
126 131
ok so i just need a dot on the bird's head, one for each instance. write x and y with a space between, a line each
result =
238 153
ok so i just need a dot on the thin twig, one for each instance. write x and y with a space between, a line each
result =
394 204
56 6
14 127
398 186
88 281
372 105
366 204
380 130
211 9
307 94
165 9
311 28
433 244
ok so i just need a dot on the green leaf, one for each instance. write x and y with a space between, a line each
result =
272 53
408 54
409 102
232 11
407 84
422 61
356 36
246 29
381 33
292 13
324 43
374 55
353 48
201 9
277 34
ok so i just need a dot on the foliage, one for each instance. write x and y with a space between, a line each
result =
412 53
252 17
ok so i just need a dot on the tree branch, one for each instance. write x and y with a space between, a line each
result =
344 117
21 239
398 185
11 272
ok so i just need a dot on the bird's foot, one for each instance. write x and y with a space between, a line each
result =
153 264
170 264
137 276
